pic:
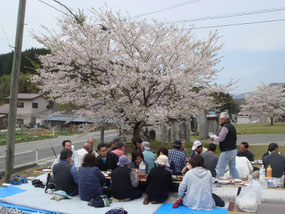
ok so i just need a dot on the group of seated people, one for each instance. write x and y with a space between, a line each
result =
80 172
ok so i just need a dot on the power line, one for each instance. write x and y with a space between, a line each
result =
231 15
236 24
169 8
53 7
6 37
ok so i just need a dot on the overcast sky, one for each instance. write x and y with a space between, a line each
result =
252 53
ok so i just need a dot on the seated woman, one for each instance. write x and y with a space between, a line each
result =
125 181
137 158
171 167
90 179
158 182
195 190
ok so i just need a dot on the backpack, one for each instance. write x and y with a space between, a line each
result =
100 201
119 210
38 183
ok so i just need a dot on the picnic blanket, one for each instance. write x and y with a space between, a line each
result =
167 209
36 198
25 209
9 191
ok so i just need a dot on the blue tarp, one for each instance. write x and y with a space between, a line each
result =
26 209
9 191
167 209
54 118
76 120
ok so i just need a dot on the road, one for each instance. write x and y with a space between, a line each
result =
25 152
262 139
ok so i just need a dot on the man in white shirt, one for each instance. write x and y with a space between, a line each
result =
83 151
66 144
243 166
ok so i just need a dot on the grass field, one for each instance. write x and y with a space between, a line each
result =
30 136
260 128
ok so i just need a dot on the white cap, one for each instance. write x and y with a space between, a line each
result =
196 144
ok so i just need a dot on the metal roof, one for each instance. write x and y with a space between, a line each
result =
27 96
56 118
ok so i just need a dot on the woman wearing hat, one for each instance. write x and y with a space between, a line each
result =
158 182
125 181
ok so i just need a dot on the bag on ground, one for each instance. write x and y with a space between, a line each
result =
117 211
249 197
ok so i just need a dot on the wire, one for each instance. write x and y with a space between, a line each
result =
236 24
169 8
6 37
231 15
53 7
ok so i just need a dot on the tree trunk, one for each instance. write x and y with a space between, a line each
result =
137 130
271 121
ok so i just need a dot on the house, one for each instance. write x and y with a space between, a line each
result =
31 107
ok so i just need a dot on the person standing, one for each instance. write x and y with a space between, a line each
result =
227 141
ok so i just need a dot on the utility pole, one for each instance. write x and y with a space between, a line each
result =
12 119
102 129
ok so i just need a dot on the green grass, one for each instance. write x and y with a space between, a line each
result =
24 137
259 128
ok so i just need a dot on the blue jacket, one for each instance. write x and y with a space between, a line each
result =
90 182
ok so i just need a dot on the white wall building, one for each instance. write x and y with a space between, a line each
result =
30 108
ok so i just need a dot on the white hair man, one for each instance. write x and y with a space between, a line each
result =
227 140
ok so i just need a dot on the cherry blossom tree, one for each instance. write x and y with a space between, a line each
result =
267 101
131 71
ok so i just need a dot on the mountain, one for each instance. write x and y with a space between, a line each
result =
239 96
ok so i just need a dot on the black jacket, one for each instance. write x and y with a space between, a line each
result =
277 163
111 162
229 142
63 178
121 183
248 154
159 181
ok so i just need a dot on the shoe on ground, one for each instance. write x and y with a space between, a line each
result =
145 201
177 203
154 202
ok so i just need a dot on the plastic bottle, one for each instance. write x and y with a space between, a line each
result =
269 172
142 168
262 176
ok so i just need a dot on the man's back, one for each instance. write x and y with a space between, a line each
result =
149 157
277 162
210 162
179 159
63 178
